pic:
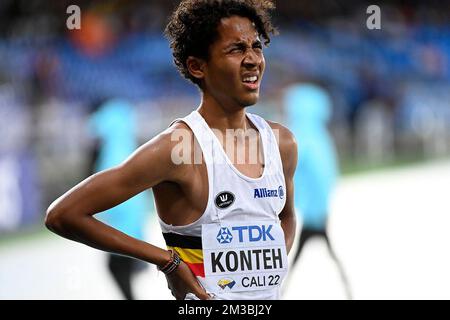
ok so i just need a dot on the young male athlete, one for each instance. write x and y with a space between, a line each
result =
227 216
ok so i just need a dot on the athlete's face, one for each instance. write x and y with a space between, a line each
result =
233 72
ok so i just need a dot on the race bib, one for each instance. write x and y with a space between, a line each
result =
244 256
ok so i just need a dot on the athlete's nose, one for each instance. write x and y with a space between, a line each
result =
252 59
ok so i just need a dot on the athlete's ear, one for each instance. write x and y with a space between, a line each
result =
196 67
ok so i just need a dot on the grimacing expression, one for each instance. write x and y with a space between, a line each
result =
233 72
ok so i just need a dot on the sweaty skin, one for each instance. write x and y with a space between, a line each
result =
181 190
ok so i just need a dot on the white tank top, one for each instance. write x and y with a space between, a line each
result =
232 198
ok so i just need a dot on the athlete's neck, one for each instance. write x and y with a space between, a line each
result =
218 117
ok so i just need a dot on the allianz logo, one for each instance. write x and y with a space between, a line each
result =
268 193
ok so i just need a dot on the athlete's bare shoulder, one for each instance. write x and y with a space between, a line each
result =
179 127
287 145
153 162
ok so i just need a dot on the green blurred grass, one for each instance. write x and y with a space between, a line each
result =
351 167
31 233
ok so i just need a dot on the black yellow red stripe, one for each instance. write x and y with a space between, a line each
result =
189 255
181 241
189 249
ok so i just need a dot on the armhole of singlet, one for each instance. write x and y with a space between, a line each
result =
264 125
280 163
276 146
209 170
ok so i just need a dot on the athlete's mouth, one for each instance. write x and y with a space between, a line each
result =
251 81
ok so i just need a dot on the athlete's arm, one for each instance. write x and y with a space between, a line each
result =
288 152
71 215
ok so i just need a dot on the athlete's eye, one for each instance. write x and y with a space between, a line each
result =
258 47
236 50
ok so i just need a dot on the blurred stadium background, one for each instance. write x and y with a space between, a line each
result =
391 123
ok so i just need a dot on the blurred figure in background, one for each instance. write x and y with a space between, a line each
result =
308 109
113 122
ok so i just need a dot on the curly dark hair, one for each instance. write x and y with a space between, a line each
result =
192 27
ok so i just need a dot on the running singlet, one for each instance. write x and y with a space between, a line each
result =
236 248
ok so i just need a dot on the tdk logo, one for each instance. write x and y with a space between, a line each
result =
245 233
269 193
224 235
